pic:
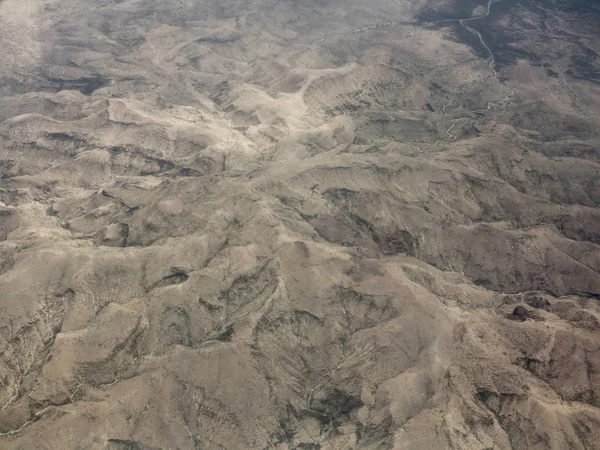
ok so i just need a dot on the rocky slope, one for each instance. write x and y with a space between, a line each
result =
278 224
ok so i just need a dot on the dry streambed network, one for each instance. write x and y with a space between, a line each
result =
286 224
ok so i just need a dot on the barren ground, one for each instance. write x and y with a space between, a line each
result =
284 224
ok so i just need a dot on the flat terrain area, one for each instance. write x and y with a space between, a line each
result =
285 224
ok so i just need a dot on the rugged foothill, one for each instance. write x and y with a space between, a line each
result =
284 224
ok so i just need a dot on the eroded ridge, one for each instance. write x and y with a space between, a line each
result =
299 225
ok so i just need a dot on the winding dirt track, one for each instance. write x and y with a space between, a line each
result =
463 22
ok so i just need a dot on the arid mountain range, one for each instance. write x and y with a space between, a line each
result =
299 224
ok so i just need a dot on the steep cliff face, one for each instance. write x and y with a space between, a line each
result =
299 225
